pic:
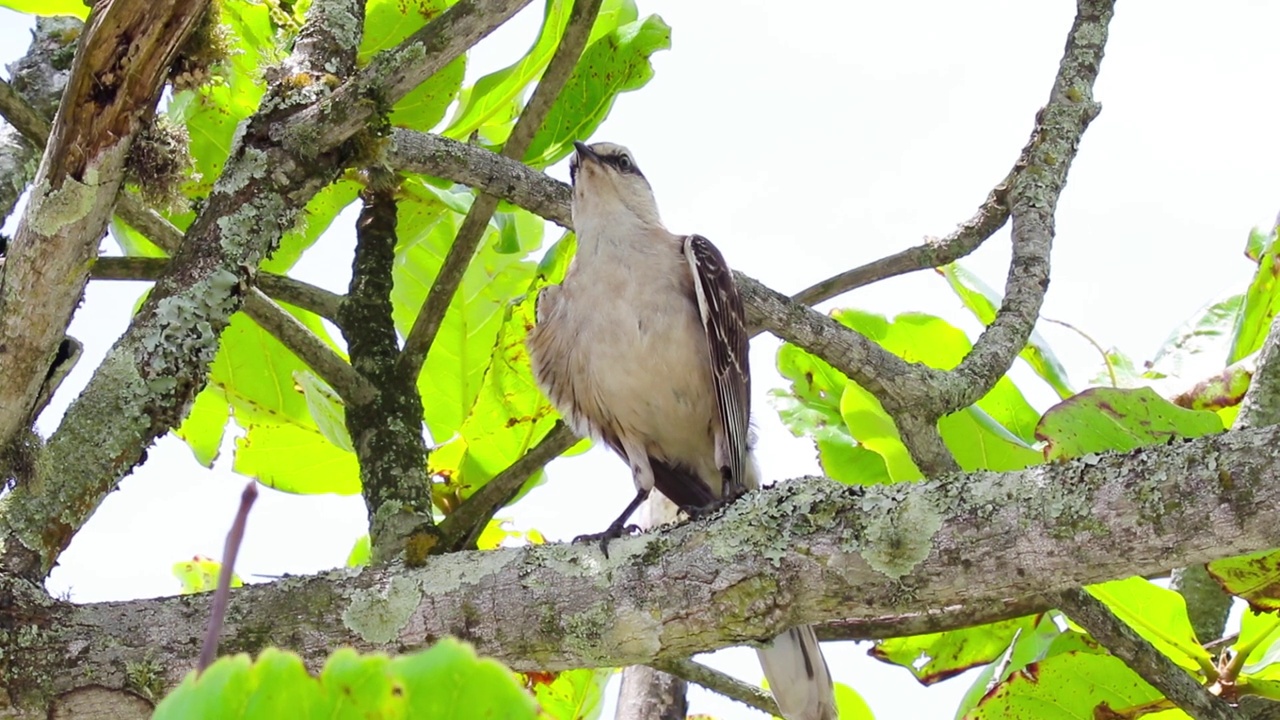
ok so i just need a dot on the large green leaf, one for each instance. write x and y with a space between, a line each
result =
616 63
1157 614
387 23
1076 685
205 425
76 8
983 302
994 434
1261 300
1102 419
850 705
510 413
1254 577
1208 331
491 105
446 682
1044 639
811 407
456 365
935 657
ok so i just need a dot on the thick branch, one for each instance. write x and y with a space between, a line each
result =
119 68
649 694
737 578
1261 404
310 349
427 324
1154 667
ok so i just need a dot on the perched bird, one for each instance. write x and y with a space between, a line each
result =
644 347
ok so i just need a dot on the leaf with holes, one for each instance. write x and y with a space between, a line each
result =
935 657
1102 419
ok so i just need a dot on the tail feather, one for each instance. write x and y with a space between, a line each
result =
798 675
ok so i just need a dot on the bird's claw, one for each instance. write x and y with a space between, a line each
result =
609 534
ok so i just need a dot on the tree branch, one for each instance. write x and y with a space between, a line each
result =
313 351
461 528
427 324
969 236
1261 403
119 68
716 681
280 287
1151 664
649 694
879 551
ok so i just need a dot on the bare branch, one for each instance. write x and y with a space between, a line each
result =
1142 658
22 116
649 694
880 551
119 68
461 528
716 681
280 287
991 216
1033 198
427 324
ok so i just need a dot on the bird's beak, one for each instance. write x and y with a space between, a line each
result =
584 152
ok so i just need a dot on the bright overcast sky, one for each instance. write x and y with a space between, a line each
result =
803 142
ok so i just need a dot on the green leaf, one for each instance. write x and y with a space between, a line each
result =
490 107
811 407
1102 419
1209 330
1254 577
1259 642
76 8
212 112
204 426
1261 301
459 359
361 553
570 695
387 23
994 434
510 414
200 574
1259 243
296 459
1027 647
445 682
614 64
1077 685
983 302
326 409
935 657
1157 614
850 705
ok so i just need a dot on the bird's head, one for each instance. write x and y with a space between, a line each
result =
607 184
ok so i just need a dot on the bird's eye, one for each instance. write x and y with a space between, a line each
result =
624 164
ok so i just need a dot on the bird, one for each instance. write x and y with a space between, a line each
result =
643 346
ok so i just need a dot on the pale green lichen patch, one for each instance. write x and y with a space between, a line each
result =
899 529
55 209
377 617
447 573
252 165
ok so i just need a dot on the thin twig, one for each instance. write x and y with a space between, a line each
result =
461 528
1151 664
280 287
427 325
1106 359
716 681
935 252
313 351
24 118
218 611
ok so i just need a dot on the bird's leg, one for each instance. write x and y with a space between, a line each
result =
730 489
618 527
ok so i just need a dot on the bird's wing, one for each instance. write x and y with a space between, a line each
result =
724 320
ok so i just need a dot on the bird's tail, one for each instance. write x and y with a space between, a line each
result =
798 675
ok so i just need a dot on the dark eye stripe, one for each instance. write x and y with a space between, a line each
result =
616 162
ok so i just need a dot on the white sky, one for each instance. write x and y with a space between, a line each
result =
804 142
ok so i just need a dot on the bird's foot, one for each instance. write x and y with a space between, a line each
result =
614 531
710 508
